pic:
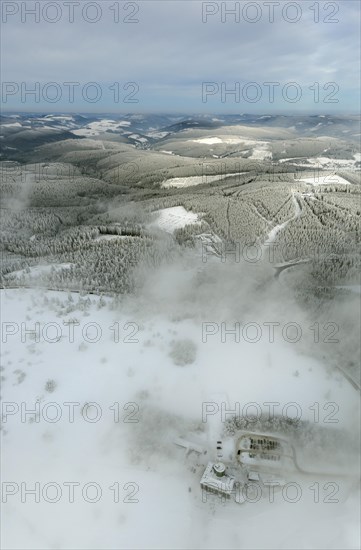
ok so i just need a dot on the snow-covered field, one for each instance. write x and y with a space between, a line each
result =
260 148
138 137
11 125
227 140
158 135
170 219
328 179
261 152
324 162
98 127
189 181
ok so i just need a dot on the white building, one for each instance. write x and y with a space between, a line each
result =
216 480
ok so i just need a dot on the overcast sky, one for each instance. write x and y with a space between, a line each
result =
174 49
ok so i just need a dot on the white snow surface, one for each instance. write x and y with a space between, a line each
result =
11 125
328 179
260 148
100 126
324 163
189 181
176 217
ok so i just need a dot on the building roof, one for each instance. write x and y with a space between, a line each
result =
211 481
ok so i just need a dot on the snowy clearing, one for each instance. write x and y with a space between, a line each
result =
98 127
189 181
12 125
323 162
208 141
170 219
261 152
260 148
328 179
87 132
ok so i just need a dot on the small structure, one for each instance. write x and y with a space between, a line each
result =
216 480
